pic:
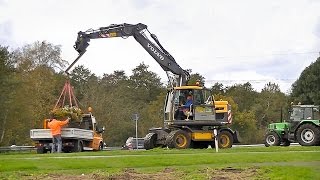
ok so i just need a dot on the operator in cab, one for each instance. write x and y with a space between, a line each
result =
55 127
184 111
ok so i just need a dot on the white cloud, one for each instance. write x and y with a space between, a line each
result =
218 39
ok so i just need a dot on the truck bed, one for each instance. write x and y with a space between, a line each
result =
66 133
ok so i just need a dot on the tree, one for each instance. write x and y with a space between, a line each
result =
243 94
218 88
39 54
80 77
145 85
34 90
307 88
269 105
194 78
7 83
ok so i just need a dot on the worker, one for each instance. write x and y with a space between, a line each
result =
189 102
55 127
184 110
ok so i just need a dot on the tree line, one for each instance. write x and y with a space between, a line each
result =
31 80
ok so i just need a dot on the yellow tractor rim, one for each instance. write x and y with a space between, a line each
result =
181 140
224 140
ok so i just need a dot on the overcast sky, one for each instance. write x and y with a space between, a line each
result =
227 41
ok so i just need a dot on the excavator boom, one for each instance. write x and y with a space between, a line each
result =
138 31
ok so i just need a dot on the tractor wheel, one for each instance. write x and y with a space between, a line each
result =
225 139
150 141
308 135
178 139
272 139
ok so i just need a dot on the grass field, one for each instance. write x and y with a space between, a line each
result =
294 162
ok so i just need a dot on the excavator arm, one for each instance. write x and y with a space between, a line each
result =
138 31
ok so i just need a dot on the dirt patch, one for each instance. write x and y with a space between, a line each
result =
166 174
230 173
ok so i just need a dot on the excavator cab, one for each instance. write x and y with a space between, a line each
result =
202 111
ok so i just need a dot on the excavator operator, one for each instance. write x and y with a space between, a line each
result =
185 110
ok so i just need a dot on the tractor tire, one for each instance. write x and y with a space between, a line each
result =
150 141
178 139
308 135
225 140
272 139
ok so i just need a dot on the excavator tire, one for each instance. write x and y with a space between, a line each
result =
150 141
178 139
225 140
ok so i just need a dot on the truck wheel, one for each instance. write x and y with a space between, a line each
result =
178 139
100 146
150 141
272 139
225 139
40 150
308 135
78 146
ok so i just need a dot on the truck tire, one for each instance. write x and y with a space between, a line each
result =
40 150
225 139
178 139
272 139
308 135
100 146
78 146
150 141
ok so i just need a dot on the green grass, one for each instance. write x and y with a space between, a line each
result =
293 162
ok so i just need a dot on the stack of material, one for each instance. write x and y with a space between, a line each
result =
62 112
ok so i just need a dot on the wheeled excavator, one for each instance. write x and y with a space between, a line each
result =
193 128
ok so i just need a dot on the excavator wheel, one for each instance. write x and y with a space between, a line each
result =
178 139
225 139
150 141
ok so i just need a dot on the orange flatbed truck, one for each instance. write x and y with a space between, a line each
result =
81 136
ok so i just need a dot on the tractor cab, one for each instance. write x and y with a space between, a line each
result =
304 112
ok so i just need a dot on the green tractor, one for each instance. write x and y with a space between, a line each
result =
303 127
